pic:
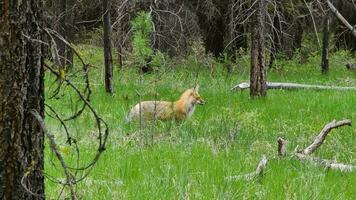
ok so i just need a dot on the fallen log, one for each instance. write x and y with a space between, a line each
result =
292 86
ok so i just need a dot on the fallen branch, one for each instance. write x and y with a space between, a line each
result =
328 164
250 176
291 86
319 140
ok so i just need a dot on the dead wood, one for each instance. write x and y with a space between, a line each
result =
341 18
305 155
292 86
282 147
319 140
250 176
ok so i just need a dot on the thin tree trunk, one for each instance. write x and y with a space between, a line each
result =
61 29
21 90
275 47
69 31
258 74
325 47
107 47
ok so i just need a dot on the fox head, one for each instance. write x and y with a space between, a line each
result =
194 96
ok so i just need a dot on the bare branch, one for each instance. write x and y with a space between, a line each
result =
54 148
250 176
319 140
341 18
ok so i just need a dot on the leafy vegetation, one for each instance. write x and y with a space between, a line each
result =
225 137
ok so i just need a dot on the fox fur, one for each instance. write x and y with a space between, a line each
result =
179 110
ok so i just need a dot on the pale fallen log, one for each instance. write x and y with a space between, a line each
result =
250 176
329 164
319 140
292 86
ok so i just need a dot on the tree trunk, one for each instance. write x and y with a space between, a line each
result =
276 40
69 31
325 47
258 74
60 28
107 47
21 90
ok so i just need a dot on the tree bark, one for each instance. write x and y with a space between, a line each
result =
325 47
258 74
107 47
21 90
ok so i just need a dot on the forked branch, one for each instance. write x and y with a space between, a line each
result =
319 139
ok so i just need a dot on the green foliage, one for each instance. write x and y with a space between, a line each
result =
225 137
142 28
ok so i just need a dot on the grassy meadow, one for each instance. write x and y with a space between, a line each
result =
225 137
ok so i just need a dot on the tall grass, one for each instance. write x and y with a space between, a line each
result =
225 137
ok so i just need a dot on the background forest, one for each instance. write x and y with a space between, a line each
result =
100 58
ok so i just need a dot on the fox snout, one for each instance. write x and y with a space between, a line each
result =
200 102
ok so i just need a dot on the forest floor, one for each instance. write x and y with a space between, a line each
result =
225 137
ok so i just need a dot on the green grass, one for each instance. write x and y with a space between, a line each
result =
225 137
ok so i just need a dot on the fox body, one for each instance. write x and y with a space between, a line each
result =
165 110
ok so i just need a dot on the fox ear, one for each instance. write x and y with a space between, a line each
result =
196 88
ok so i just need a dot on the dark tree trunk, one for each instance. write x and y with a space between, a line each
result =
325 47
69 31
61 29
258 74
107 47
21 90
298 35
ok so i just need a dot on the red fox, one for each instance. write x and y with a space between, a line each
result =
164 110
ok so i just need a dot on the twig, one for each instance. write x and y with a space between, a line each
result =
54 148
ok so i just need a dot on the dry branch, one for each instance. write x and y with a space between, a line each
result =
322 135
291 86
318 141
341 18
250 176
328 164
54 148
